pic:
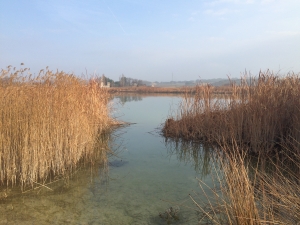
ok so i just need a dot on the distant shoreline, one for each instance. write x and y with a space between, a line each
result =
147 89
163 90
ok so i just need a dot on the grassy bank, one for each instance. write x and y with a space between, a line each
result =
48 124
261 116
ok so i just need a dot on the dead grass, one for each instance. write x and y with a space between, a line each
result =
250 194
262 116
259 119
48 124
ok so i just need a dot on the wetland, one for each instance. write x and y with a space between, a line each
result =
144 178
71 153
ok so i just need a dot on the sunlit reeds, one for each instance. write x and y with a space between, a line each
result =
47 123
262 115
250 193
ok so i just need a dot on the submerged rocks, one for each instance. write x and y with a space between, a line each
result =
117 163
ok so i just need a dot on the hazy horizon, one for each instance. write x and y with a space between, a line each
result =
152 40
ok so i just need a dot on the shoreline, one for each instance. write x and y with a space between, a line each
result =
165 90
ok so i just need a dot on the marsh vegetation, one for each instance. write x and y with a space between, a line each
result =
53 123
143 178
49 124
261 116
257 120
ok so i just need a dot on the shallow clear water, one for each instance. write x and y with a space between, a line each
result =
146 178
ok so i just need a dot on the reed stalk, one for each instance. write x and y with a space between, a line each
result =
258 118
250 193
261 116
48 123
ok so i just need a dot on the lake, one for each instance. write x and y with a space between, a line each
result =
146 176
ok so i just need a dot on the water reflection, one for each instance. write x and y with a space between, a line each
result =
198 154
129 97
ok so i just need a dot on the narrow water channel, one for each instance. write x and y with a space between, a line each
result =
146 177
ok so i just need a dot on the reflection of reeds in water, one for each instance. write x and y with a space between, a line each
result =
201 156
48 124
261 116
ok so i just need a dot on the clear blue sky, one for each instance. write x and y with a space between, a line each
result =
151 39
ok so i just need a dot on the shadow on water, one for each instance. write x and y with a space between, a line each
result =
200 155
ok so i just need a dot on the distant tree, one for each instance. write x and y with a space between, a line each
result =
127 81
139 82
123 81
104 79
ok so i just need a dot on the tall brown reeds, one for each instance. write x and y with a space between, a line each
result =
47 123
261 115
250 193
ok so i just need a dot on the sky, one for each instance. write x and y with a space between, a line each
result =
154 40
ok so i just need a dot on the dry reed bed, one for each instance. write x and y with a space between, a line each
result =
261 116
250 194
48 124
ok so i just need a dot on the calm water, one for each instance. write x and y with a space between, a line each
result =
146 177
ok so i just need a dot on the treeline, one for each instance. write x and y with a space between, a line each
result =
122 82
127 82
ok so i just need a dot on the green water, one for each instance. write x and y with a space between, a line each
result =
147 177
